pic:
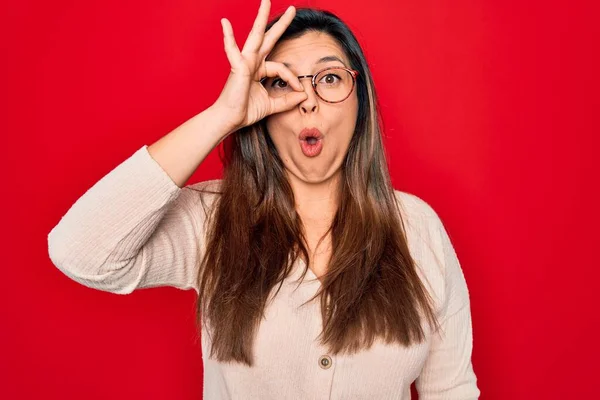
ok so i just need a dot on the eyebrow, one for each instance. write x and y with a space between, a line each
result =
323 60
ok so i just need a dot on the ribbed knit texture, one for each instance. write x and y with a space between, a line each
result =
135 228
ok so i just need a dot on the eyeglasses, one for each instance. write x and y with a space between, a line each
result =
332 84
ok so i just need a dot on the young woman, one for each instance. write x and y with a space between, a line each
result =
315 278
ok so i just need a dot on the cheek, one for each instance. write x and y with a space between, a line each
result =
278 128
348 124
273 124
346 119
349 109
355 106
353 113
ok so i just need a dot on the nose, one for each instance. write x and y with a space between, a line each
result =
312 102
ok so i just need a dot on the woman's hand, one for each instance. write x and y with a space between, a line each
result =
244 100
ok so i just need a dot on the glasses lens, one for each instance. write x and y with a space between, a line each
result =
334 84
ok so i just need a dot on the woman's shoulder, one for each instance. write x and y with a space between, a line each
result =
421 224
200 197
211 186
419 219
429 243
414 206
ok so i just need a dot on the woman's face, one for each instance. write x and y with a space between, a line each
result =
335 122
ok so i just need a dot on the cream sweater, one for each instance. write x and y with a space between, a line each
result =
135 228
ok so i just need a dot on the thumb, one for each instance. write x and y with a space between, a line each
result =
287 102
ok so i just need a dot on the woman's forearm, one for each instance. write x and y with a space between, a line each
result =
182 150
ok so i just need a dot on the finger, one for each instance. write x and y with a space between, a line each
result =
287 102
257 33
231 48
278 69
277 30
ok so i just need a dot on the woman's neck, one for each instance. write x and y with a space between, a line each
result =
316 203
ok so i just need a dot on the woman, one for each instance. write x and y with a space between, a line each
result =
306 191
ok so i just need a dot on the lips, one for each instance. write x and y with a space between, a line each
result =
311 142
310 133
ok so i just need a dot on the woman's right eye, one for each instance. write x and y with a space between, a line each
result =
279 83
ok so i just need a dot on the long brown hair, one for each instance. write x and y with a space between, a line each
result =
371 282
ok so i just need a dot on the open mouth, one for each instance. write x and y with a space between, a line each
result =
311 146
311 142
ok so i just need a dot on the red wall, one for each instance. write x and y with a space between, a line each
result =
491 115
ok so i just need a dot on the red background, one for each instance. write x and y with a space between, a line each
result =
490 111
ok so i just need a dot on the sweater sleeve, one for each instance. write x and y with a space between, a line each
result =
448 371
133 229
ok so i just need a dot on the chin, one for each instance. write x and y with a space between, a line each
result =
317 178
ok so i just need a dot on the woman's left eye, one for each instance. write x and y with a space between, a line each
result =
330 78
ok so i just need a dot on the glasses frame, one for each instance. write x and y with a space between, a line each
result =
353 73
